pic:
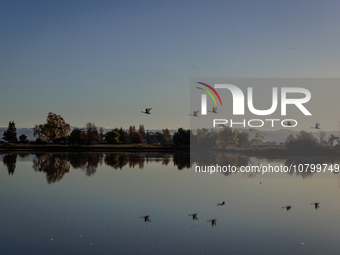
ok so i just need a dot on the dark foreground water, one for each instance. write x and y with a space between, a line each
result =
91 203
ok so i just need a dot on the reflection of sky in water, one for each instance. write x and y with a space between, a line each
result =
251 222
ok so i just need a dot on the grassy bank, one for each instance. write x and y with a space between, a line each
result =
98 147
278 151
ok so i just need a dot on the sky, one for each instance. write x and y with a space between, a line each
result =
106 61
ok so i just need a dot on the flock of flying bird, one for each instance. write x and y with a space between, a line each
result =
194 216
317 125
213 221
288 123
316 206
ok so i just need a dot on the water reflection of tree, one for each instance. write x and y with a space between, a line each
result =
166 159
87 162
119 160
54 165
232 160
10 161
182 160
92 163
24 154
115 160
163 158
136 159
304 165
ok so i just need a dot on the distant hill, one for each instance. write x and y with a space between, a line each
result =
281 135
26 131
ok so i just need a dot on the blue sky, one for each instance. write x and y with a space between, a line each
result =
106 61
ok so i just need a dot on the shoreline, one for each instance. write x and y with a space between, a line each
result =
93 148
259 151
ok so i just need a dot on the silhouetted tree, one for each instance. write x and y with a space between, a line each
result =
243 139
10 135
255 136
136 137
92 135
123 136
77 136
227 138
331 140
301 143
161 138
150 137
38 133
182 137
141 130
112 137
132 129
55 127
40 141
206 138
166 134
322 137
22 138
101 135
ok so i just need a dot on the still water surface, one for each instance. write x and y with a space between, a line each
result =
91 203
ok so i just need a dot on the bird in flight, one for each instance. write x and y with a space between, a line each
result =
316 205
194 216
220 204
147 111
317 126
146 218
195 114
287 207
213 222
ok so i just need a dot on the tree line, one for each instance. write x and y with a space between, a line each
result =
57 131
226 138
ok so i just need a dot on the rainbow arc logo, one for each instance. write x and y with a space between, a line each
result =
204 97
